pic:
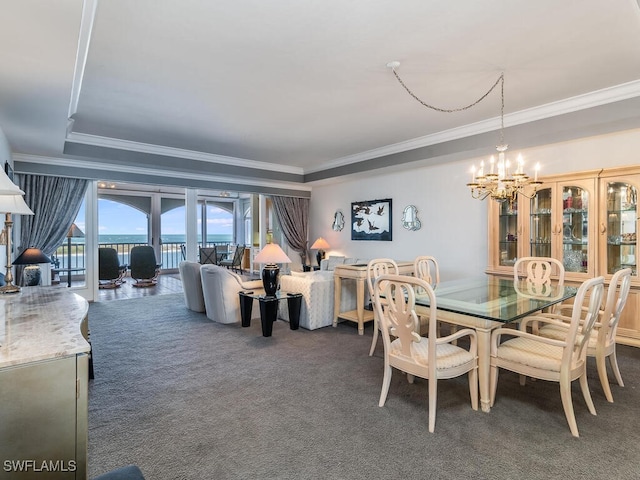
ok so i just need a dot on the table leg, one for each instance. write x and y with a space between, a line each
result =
337 291
360 304
484 366
294 304
246 305
268 314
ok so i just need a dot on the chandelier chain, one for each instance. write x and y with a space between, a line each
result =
500 81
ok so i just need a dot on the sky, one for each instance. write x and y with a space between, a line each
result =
119 219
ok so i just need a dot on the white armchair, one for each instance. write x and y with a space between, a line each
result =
220 288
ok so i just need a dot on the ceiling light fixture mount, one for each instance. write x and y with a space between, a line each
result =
501 184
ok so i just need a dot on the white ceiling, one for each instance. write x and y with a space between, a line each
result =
300 86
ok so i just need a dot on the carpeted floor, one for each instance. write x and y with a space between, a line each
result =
186 398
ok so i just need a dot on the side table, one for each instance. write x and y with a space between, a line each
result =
269 309
309 268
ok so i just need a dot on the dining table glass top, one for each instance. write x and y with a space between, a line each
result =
495 298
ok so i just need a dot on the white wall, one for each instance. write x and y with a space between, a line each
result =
454 226
5 156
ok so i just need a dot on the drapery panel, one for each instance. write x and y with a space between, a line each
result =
293 216
55 201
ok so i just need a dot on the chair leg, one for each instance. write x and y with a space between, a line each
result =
433 396
386 381
584 385
602 374
374 341
523 380
613 360
567 404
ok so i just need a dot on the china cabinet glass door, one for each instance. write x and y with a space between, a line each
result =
508 233
540 226
621 227
575 229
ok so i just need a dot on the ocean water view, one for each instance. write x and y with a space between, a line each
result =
174 238
171 253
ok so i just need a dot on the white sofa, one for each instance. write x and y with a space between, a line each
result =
220 287
317 290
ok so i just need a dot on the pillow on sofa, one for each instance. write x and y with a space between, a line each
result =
333 261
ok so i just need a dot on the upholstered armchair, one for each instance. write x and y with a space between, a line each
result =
192 285
220 288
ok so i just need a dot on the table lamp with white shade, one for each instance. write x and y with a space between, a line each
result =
271 255
11 202
321 245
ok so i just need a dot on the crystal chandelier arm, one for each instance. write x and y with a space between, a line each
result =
500 79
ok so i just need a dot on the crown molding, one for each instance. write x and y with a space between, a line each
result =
73 163
120 144
573 104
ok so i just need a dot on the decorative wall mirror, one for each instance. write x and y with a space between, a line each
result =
338 221
410 219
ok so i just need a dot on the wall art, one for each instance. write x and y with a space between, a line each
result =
371 220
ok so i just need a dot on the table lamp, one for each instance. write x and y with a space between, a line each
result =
11 202
74 232
31 257
271 255
322 245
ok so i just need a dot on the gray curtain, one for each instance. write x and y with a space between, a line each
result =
293 216
55 202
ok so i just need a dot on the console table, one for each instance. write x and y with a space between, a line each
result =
357 272
269 309
44 358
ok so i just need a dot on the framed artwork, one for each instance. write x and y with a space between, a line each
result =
371 220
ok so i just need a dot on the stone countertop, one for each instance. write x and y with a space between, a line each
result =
40 323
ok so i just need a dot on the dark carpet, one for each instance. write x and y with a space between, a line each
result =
186 398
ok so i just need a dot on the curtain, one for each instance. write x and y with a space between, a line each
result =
55 202
293 216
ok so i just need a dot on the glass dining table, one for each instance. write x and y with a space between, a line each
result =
485 303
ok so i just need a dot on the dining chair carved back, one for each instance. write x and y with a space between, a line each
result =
426 268
538 274
430 357
602 341
556 360
376 268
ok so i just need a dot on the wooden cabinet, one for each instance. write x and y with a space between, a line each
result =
588 220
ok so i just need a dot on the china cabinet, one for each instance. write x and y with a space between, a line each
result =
588 220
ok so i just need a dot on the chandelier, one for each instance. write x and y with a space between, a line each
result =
501 181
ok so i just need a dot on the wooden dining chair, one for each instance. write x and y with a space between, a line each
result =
602 341
555 360
426 268
431 357
376 268
539 273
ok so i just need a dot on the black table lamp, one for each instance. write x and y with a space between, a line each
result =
31 257
271 255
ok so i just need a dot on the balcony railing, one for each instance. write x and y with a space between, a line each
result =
171 254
